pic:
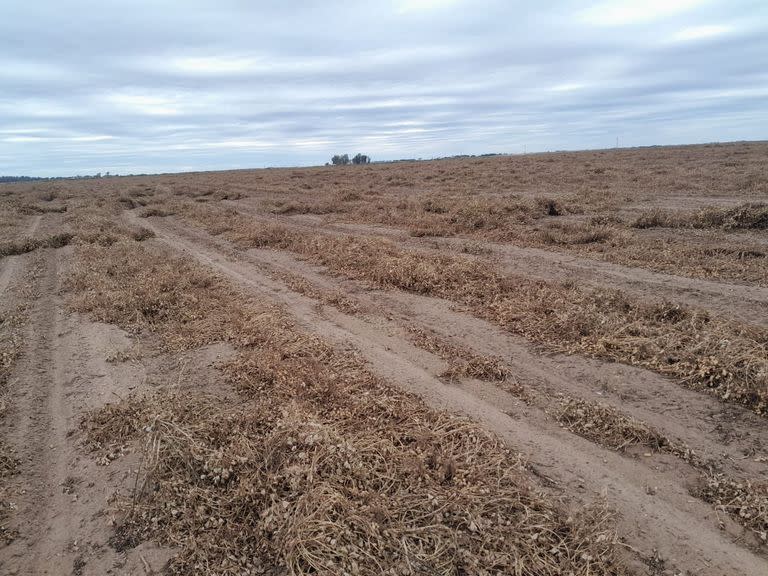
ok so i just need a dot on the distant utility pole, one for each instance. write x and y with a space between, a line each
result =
617 141
524 149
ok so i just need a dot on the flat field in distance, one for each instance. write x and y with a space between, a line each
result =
539 364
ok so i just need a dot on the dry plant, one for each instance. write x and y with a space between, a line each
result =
155 211
115 285
749 215
462 363
608 426
14 248
320 467
42 209
12 322
10 349
95 226
746 502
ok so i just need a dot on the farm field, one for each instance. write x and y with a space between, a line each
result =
540 364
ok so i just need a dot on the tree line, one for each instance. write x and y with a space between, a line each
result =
343 159
9 179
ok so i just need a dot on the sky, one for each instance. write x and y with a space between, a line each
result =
145 86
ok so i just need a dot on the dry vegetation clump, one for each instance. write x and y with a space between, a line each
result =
8 464
583 233
96 227
8 468
287 208
746 502
207 193
10 342
749 215
459 215
10 347
655 218
12 321
706 257
137 288
341 486
10 222
227 195
49 193
607 426
461 362
705 353
40 209
140 195
320 467
14 248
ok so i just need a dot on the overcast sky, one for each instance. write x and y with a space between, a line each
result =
153 85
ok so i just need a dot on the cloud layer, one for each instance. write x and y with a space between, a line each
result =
148 86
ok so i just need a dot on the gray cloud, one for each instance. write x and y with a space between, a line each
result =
144 86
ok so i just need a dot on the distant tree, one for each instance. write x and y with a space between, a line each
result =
340 160
361 159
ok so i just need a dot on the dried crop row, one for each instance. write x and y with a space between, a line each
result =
320 467
705 353
14 248
750 215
